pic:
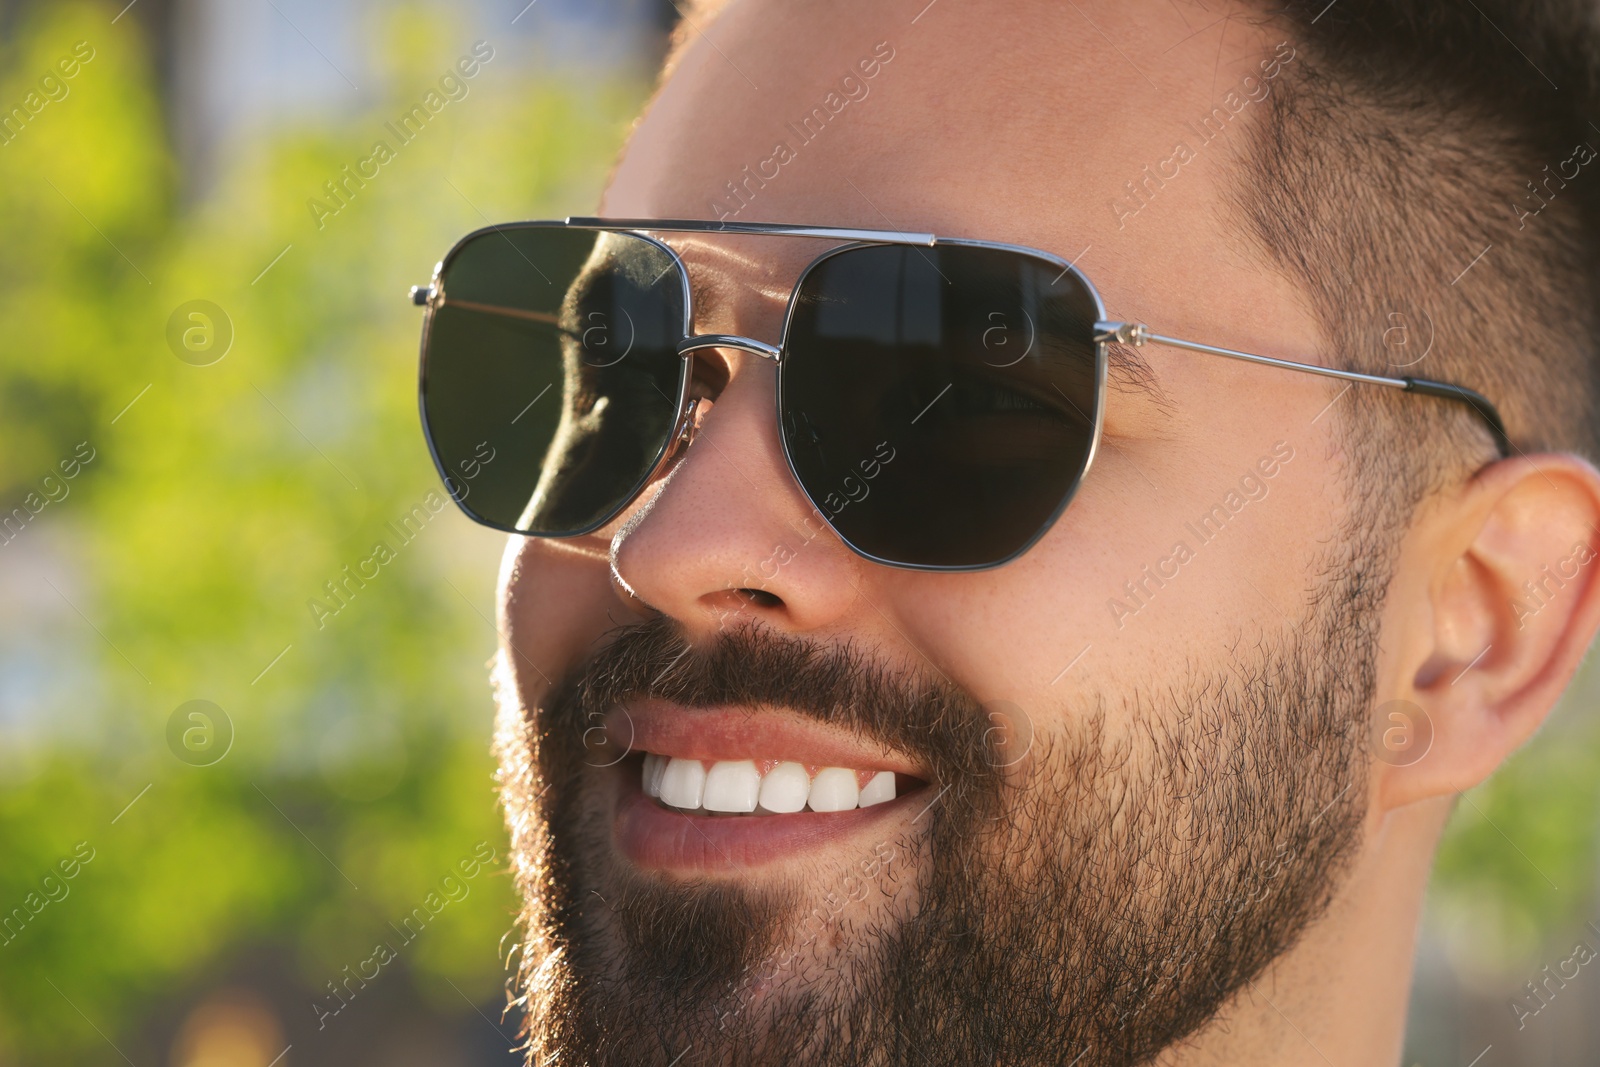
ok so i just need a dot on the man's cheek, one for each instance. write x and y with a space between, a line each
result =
553 606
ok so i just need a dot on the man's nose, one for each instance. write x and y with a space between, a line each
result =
729 534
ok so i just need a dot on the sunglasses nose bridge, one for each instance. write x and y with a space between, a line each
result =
728 340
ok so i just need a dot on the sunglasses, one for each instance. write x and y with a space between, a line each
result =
939 401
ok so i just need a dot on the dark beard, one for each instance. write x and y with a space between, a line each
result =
1092 905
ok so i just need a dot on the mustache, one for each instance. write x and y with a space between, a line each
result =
754 665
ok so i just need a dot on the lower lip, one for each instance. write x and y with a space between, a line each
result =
662 838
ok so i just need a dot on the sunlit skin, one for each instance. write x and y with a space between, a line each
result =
1021 124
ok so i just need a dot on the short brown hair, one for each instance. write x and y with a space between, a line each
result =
1427 172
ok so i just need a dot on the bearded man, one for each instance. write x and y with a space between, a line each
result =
1025 518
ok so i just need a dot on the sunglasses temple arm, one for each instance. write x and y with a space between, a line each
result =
1136 333
1472 398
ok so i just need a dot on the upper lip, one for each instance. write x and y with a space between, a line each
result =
738 732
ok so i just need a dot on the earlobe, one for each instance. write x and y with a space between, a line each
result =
1494 603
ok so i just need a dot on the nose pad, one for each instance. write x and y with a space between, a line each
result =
687 427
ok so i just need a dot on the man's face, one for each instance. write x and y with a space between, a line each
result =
1128 765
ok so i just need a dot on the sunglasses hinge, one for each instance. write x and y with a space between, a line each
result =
1127 333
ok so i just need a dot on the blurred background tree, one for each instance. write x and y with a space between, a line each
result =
245 865
234 472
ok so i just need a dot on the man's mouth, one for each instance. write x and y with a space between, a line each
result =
729 788
761 787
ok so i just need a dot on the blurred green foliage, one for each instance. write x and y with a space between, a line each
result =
181 562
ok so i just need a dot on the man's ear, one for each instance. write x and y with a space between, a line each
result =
1493 604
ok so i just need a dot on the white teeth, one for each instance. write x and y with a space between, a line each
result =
683 783
879 788
834 789
739 787
732 785
785 788
653 766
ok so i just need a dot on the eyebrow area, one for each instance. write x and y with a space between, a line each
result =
1127 370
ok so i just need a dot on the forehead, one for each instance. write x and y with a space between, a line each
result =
1050 125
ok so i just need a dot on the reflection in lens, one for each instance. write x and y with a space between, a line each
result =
939 402
551 376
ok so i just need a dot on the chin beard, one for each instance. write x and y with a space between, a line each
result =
1093 903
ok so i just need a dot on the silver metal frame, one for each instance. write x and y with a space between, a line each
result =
1107 331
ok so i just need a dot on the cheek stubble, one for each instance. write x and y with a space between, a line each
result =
1106 902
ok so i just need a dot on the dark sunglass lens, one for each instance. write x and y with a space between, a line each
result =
939 403
550 376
